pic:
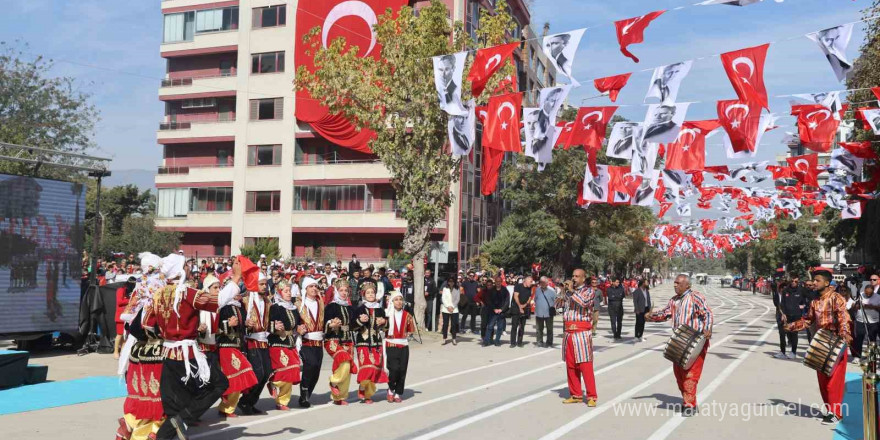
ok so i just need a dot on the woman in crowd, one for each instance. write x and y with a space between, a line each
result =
233 362
286 327
449 308
122 297
368 327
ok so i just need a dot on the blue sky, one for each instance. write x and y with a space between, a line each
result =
112 49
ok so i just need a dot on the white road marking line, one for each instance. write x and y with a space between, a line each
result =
674 422
486 414
574 424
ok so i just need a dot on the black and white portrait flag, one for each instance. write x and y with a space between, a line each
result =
833 42
644 195
448 71
873 118
596 187
853 210
666 81
644 158
560 50
830 100
663 122
625 137
462 130
846 161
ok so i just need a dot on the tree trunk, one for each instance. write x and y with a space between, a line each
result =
419 289
749 264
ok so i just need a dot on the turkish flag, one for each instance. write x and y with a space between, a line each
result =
780 172
876 91
740 120
862 150
745 68
611 84
632 30
816 126
589 127
622 181
486 62
664 206
688 152
805 168
565 135
501 130
492 159
250 273
482 112
354 22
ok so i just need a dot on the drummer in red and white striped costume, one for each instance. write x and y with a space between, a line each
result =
691 308
828 312
577 345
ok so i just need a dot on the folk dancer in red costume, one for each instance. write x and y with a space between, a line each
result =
140 360
257 341
369 324
338 321
188 385
687 307
221 338
400 326
828 312
577 345
286 327
311 311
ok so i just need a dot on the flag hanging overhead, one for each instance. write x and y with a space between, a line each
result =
632 31
740 120
448 70
745 69
560 50
833 43
486 62
688 152
805 168
462 130
625 136
502 123
590 126
666 81
611 85
816 126
663 121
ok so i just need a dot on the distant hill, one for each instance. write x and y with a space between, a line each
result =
143 179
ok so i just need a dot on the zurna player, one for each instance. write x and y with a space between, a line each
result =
828 312
687 307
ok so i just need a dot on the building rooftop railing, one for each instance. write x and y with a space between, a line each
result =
187 81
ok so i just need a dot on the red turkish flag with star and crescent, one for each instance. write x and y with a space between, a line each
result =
632 31
862 150
589 127
486 62
745 69
688 152
501 131
740 120
805 168
816 126
564 135
611 84
353 21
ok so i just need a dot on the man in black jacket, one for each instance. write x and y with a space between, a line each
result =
615 295
430 296
497 305
641 305
790 302
354 265
520 309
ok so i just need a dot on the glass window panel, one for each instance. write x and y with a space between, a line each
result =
267 62
282 15
270 17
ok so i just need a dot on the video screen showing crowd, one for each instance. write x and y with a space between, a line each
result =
190 343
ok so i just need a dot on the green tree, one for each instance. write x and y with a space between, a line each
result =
139 234
262 246
118 203
394 96
523 239
38 110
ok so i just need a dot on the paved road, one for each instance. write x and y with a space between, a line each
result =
473 392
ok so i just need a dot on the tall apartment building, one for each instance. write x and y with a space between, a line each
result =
237 165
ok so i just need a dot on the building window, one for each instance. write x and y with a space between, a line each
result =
179 27
330 198
198 103
263 201
267 109
210 199
473 18
263 155
270 17
172 202
269 62
215 20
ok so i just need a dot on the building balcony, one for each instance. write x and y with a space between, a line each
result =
341 170
202 44
170 88
353 222
195 173
197 221
203 131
